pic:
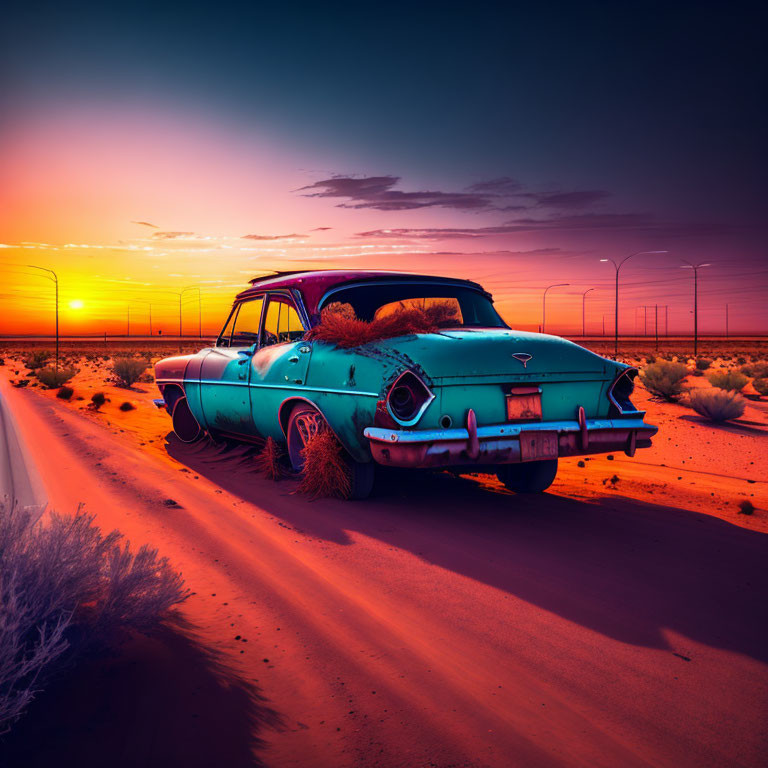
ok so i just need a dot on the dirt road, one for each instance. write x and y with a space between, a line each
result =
445 622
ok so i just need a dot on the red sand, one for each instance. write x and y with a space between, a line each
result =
449 623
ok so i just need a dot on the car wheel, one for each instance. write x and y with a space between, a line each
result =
305 422
528 477
185 425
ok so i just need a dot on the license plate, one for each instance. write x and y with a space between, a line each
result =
524 404
535 446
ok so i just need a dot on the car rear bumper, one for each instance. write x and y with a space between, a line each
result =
503 443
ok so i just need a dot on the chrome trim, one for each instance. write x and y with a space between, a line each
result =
625 372
421 410
522 357
497 430
269 386
158 402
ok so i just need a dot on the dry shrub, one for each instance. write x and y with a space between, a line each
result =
761 386
716 404
64 588
126 406
703 363
37 359
65 393
53 378
664 379
325 471
270 460
339 324
128 370
758 370
98 399
730 380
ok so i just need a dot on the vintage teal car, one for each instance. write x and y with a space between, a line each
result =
473 395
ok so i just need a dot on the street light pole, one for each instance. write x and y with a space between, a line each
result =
199 307
618 266
584 311
55 280
544 305
695 268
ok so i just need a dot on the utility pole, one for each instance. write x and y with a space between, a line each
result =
584 311
55 280
656 326
603 325
695 268
128 311
726 321
618 266
666 320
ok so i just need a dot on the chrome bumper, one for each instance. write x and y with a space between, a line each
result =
501 443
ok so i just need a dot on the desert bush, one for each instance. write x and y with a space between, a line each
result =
325 471
270 460
761 386
65 587
21 383
730 380
52 378
650 359
128 370
65 393
702 363
340 325
126 406
741 360
664 379
716 404
37 359
757 370
98 399
2 361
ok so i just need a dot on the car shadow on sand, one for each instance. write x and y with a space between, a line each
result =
164 700
625 568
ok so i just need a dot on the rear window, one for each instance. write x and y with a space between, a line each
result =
464 307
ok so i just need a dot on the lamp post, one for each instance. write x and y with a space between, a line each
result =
544 305
149 304
695 268
55 280
618 266
584 311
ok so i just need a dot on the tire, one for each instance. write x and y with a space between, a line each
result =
304 422
185 425
528 477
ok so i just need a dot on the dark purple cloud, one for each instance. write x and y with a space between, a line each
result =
503 185
145 224
320 229
377 192
272 237
573 199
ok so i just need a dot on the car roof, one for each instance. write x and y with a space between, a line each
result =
313 285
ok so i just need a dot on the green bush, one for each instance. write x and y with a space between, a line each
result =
730 380
761 386
53 378
128 370
703 363
716 404
37 359
664 379
65 393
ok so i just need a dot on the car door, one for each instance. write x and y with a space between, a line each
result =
279 367
224 379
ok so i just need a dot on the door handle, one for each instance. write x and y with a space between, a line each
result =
304 349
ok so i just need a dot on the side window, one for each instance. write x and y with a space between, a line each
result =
226 333
247 322
282 322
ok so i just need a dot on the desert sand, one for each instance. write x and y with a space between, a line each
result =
618 619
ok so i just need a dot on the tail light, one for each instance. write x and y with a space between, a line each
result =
408 398
620 391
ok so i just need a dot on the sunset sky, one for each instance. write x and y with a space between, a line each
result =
145 149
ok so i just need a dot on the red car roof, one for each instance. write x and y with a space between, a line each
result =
313 285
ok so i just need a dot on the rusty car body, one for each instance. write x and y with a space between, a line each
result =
473 395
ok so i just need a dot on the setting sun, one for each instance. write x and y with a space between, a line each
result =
76 304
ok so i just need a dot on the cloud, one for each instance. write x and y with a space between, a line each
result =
377 192
146 224
273 237
320 229
171 235
503 185
585 221
569 199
